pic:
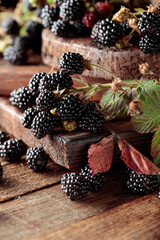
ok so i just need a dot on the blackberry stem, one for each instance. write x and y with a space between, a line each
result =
106 70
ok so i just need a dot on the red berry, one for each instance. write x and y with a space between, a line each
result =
103 9
90 19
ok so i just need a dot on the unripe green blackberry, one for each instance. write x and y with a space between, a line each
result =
3 137
10 26
72 62
28 116
74 186
34 83
36 159
46 100
149 23
49 15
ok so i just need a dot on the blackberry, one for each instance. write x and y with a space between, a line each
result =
38 12
28 117
61 28
125 27
3 137
22 42
95 31
28 6
95 182
8 3
142 184
34 29
72 10
10 26
34 83
109 32
15 55
72 62
149 23
159 8
22 98
13 149
91 119
56 81
74 186
46 100
80 28
49 15
44 123
36 159
150 44
59 2
69 108
1 171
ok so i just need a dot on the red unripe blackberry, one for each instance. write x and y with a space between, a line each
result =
72 10
13 149
103 9
56 81
44 123
72 62
3 137
69 108
49 14
46 100
61 28
95 182
10 26
90 19
36 159
149 23
150 44
28 117
34 83
15 55
22 98
74 186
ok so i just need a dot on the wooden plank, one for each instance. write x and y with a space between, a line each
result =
66 149
50 210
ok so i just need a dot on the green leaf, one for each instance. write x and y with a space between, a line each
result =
155 147
149 94
50 1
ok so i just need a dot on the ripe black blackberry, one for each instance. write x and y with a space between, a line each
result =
15 55
142 184
74 186
149 23
8 3
34 83
95 182
72 62
28 116
46 100
44 123
3 137
28 6
34 29
22 98
56 81
95 32
22 42
59 2
38 12
70 108
125 27
13 149
10 26
72 10
49 15
150 44
61 28
109 32
91 119
80 29
36 159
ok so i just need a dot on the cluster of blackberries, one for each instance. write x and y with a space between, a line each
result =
149 26
65 18
77 185
48 104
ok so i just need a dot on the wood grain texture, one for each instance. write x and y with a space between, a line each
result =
123 62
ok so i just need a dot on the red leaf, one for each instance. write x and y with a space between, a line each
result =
100 155
136 160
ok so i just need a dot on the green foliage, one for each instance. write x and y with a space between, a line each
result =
155 147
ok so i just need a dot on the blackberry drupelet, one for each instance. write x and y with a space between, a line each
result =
61 28
15 55
34 29
149 23
125 27
13 149
28 117
3 137
72 10
44 123
8 3
22 98
34 83
70 108
150 44
56 81
74 186
49 15
142 184
95 32
80 29
46 100
10 26
91 119
28 6
36 159
109 33
72 62
95 182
